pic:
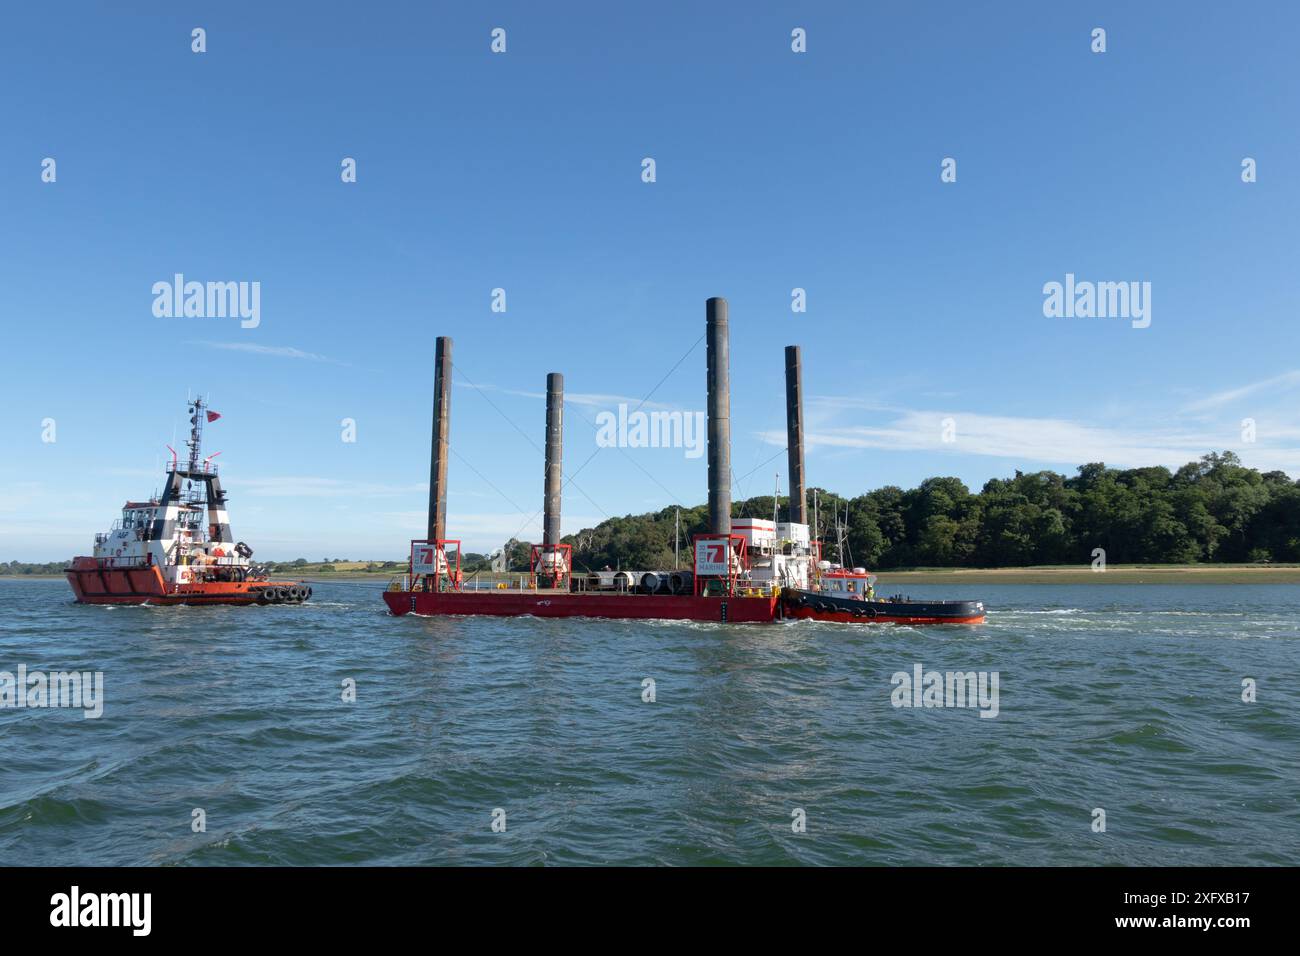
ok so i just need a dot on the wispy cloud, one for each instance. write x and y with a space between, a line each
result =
1052 441
588 399
595 399
303 486
278 351
1281 382
485 530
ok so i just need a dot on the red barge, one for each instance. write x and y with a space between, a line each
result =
745 570
163 551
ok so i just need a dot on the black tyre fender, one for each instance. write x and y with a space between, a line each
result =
264 596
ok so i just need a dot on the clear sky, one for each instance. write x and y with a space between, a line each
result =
775 170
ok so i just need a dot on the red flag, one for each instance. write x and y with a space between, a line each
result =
213 416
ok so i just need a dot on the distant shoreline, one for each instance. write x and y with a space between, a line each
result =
1121 574
1116 574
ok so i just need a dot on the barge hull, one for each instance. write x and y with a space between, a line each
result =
735 610
665 607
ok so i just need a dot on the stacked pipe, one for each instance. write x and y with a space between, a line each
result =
644 582
667 582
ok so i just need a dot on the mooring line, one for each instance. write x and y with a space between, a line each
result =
527 438
575 474
461 458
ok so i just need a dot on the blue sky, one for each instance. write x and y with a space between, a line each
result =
522 171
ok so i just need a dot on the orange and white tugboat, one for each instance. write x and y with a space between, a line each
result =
163 551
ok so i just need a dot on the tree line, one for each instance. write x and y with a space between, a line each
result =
10 568
1211 510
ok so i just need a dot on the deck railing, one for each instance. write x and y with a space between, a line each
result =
204 468
125 561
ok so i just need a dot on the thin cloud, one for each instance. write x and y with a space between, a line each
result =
1048 440
589 399
833 403
596 399
289 486
278 351
1284 381
481 530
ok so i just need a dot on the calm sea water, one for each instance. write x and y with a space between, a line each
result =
1124 698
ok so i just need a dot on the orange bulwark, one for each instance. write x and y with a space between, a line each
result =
96 583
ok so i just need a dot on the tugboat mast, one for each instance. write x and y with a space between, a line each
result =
195 441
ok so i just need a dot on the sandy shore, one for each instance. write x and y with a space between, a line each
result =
1115 574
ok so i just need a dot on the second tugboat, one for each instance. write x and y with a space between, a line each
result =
162 551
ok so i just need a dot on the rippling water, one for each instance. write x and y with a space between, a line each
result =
1125 698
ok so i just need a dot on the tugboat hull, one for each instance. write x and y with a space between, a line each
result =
96 582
